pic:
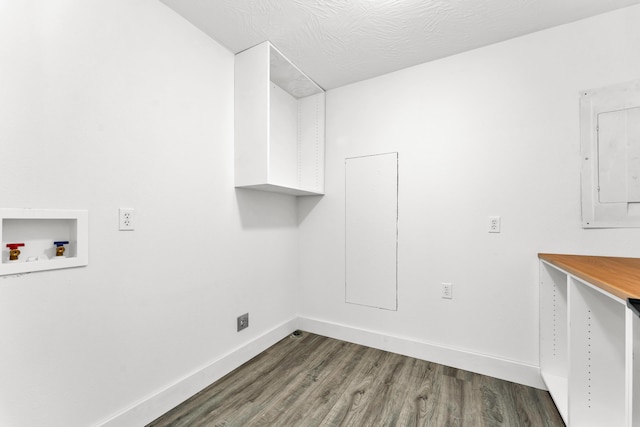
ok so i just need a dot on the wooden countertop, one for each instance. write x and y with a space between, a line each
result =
618 276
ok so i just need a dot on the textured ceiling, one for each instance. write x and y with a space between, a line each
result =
337 42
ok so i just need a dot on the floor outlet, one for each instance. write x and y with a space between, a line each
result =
447 291
127 217
243 322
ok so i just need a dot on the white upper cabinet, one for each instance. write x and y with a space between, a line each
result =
279 125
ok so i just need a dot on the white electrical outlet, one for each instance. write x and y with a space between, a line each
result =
494 224
447 291
127 219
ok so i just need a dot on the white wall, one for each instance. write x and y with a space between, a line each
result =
122 103
117 103
493 131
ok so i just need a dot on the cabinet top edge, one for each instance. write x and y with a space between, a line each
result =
617 275
283 72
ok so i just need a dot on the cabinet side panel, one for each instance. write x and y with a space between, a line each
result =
553 321
554 327
597 358
251 116
311 132
283 139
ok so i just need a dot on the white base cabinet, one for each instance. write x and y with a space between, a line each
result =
589 337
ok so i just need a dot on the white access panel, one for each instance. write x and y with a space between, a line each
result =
610 149
371 230
619 156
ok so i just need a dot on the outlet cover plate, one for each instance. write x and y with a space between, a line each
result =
243 321
127 219
494 224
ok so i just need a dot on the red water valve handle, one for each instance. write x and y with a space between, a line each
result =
14 253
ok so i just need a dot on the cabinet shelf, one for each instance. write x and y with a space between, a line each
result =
279 124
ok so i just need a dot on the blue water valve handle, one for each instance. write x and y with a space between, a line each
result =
60 248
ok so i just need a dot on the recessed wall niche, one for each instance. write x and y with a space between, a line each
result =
47 239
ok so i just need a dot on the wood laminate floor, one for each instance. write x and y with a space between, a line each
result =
311 380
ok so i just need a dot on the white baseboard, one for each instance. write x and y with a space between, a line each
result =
151 407
492 366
